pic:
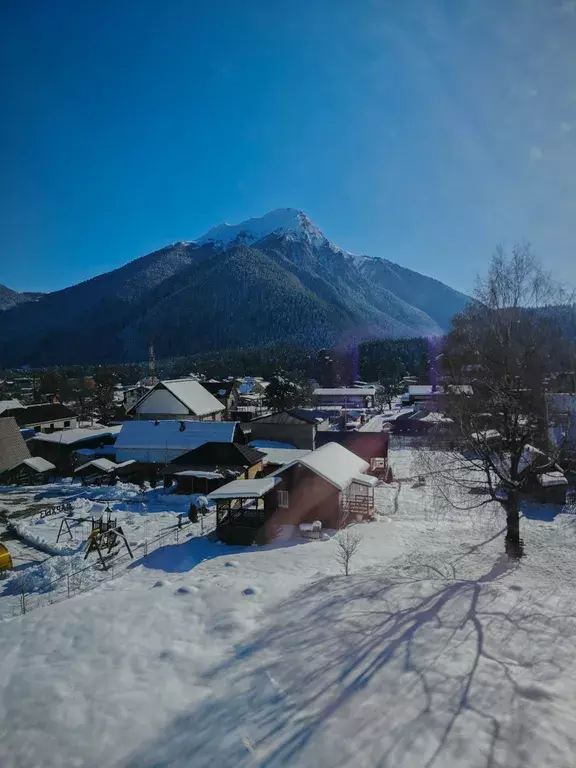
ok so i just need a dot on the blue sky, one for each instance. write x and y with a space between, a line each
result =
424 131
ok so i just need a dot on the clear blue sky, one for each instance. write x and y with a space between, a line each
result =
425 131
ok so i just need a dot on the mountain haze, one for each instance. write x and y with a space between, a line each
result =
265 281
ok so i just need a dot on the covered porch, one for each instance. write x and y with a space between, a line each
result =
357 501
242 509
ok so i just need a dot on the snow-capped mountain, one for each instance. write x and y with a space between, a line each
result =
282 222
265 281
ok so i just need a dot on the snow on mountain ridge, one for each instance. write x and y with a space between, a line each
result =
289 222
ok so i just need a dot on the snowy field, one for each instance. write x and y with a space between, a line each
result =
434 652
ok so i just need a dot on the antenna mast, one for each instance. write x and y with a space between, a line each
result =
152 362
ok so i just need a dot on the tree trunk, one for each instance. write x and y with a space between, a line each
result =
514 544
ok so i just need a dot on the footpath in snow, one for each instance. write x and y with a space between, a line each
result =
435 652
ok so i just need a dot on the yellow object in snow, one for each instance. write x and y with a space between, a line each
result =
5 558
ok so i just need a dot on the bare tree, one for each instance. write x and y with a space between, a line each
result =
500 359
347 541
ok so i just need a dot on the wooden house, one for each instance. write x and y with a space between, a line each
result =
69 447
370 446
17 466
211 465
44 417
184 399
297 427
329 485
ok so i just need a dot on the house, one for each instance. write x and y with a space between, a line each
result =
372 447
422 396
160 442
344 397
65 448
329 485
44 417
275 457
16 463
183 399
212 464
297 427
226 392
102 471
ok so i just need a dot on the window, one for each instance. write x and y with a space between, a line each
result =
66 424
51 426
283 499
38 428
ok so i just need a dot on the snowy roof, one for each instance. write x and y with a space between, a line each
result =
6 404
422 389
489 434
200 473
70 436
245 489
355 391
336 464
281 456
190 393
105 465
168 433
552 478
39 464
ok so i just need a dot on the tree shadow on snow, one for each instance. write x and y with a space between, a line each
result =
377 669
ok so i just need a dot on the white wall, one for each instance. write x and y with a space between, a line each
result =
46 426
162 401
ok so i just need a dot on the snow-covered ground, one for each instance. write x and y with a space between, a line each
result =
435 652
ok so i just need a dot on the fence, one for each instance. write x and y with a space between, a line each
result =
84 579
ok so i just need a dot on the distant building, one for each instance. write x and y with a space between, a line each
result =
184 399
297 427
226 392
344 397
45 417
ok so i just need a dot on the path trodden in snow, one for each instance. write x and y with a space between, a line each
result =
434 652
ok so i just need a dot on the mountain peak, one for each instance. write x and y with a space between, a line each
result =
288 222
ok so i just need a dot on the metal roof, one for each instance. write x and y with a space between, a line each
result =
245 489
174 434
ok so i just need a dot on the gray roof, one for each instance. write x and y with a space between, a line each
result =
13 449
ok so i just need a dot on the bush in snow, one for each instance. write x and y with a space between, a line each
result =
347 542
